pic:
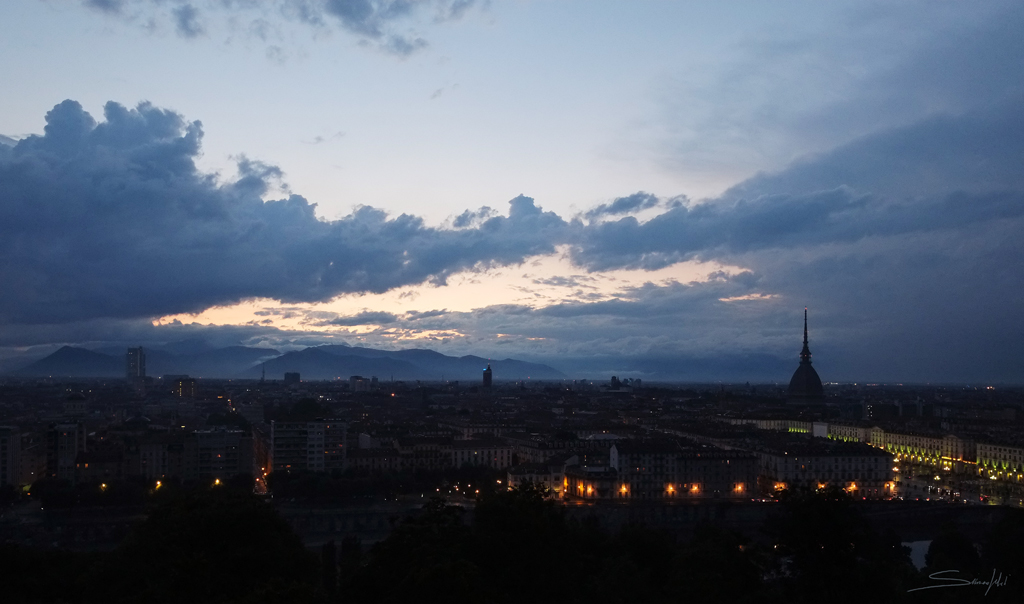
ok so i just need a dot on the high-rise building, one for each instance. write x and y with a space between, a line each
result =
135 365
488 376
805 386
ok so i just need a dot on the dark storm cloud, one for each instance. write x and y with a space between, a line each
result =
941 174
977 151
114 220
722 230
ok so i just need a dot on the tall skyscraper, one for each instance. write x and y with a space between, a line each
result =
488 375
135 365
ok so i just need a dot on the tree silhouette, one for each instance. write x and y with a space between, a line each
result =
213 545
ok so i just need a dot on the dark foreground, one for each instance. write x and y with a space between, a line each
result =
226 545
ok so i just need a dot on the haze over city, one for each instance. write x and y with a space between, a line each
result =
646 189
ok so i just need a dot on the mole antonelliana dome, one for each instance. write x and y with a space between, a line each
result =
805 385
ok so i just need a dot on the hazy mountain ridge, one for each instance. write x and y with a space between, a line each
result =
436 366
70 361
315 363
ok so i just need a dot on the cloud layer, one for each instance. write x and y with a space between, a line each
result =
113 219
905 244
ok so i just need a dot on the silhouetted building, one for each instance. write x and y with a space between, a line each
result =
291 377
135 364
550 475
182 386
488 376
135 368
491 452
33 457
805 387
63 444
315 446
857 468
590 482
358 383
157 457
75 405
104 465
10 447
218 453
377 459
664 470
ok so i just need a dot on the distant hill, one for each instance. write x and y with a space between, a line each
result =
233 361
109 362
316 363
76 363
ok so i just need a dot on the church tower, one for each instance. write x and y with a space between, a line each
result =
805 387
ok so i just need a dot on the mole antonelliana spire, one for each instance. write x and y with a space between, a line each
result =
805 387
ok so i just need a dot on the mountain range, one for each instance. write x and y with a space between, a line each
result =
315 363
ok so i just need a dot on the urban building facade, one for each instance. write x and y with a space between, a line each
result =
64 443
314 446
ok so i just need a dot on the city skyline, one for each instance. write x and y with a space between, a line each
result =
603 188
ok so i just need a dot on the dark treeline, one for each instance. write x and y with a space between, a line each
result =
226 545
199 545
520 547
355 485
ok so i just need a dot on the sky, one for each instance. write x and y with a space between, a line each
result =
643 189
